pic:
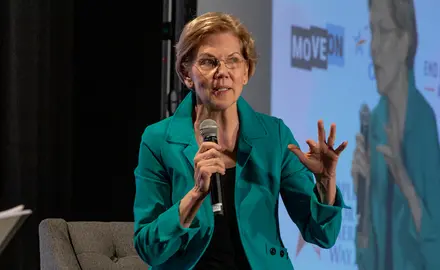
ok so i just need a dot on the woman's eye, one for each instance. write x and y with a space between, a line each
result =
208 62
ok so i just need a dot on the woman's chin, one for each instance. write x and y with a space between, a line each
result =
222 95
221 101
221 105
383 83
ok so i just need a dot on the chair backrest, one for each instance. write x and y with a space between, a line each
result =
87 245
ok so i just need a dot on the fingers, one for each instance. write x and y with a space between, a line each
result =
211 153
207 150
360 149
332 136
205 170
360 165
385 150
207 161
360 144
210 166
341 148
205 146
312 145
360 140
295 149
321 132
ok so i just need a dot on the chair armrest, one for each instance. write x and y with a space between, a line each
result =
56 251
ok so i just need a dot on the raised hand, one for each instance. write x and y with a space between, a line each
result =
321 160
393 157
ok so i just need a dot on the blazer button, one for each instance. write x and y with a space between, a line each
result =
273 251
282 253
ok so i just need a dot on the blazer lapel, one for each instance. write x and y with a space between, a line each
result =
412 114
190 152
251 129
243 154
181 131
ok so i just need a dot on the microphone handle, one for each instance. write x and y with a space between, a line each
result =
216 195
215 186
362 183
363 194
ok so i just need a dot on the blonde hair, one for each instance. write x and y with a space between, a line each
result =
211 23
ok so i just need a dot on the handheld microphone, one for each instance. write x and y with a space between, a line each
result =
208 130
363 192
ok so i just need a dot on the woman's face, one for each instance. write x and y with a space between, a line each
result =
389 49
218 72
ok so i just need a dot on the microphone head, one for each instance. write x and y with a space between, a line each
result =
365 110
364 114
208 128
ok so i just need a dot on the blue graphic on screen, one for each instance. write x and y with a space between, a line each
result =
322 68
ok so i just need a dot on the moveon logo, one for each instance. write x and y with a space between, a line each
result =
317 47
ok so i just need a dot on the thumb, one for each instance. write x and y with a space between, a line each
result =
385 150
295 149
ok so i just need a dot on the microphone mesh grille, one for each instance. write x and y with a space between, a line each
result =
208 128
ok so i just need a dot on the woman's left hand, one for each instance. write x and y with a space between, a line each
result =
321 160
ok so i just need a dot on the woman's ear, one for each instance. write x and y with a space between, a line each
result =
189 82
186 74
403 46
246 75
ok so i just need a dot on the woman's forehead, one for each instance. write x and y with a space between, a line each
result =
223 44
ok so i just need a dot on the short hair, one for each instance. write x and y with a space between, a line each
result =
403 15
212 23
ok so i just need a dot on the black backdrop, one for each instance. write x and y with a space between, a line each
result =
79 81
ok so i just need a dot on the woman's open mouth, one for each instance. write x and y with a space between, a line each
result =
221 90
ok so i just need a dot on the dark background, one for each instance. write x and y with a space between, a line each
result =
79 81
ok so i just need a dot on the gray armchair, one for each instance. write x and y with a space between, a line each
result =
87 245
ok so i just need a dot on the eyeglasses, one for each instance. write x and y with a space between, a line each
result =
210 63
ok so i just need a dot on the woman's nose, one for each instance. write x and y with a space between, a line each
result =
222 70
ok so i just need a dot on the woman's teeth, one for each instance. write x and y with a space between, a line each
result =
222 89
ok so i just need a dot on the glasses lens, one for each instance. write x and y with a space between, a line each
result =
211 63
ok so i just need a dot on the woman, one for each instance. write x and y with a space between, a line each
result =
256 155
401 162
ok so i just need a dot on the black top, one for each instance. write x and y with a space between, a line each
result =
389 223
225 250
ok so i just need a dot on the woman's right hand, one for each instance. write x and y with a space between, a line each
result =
207 161
360 164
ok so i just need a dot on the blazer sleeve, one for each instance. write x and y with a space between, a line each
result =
425 169
158 232
318 223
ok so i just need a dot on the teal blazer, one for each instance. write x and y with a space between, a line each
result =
420 152
265 169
